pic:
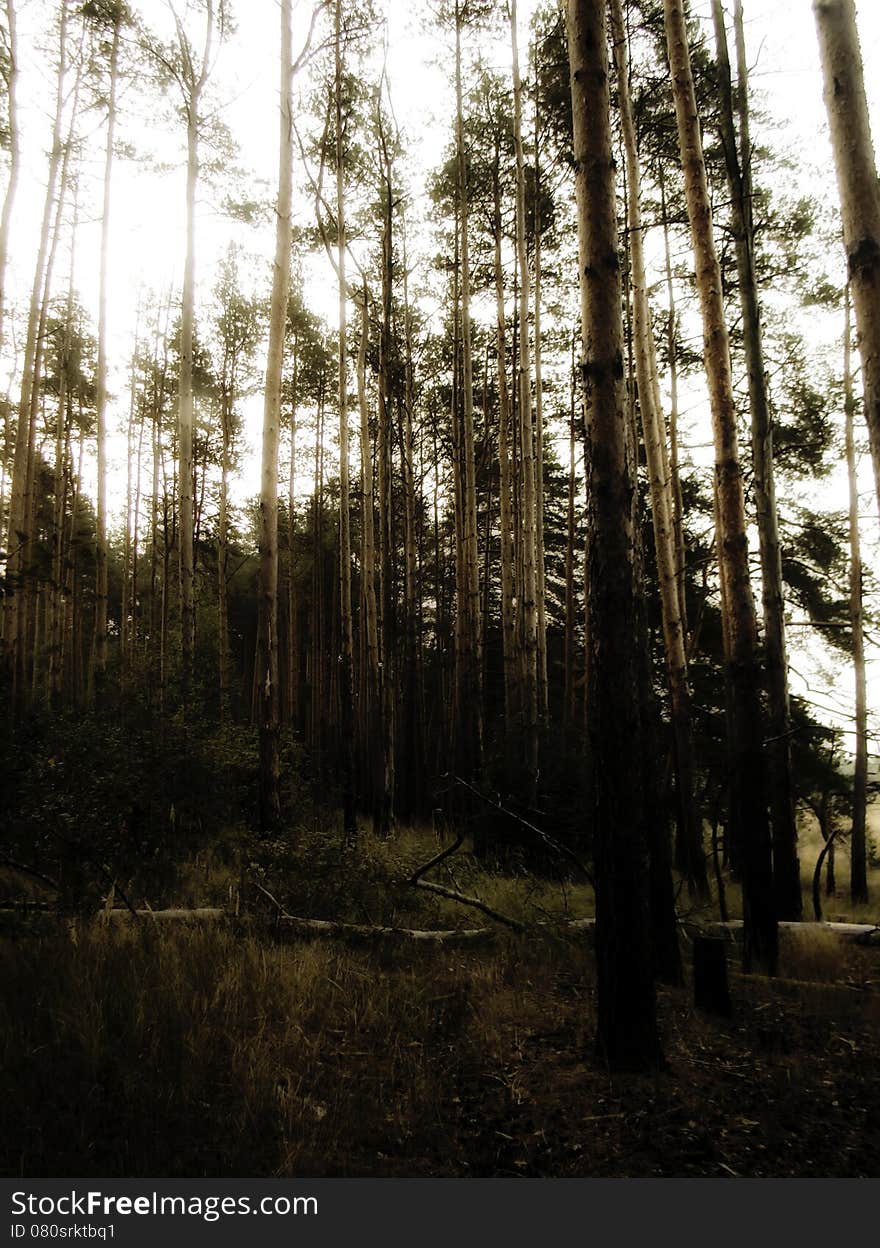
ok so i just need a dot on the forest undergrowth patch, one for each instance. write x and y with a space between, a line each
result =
199 1051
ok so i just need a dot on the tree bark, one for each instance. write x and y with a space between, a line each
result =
743 665
786 868
193 87
653 432
267 625
508 621
18 536
858 856
100 642
627 1023
469 730
527 452
14 153
856 167
346 665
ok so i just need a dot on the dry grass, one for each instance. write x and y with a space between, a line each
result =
203 1052
200 1052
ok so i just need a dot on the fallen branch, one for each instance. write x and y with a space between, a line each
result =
444 853
451 895
357 933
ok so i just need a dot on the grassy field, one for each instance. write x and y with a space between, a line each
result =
213 1050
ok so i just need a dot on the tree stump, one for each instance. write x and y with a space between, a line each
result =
711 992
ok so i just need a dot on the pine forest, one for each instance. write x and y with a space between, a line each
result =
439 626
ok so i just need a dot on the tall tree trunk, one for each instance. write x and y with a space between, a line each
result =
100 643
413 792
627 1023
742 662
540 567
226 402
19 504
508 622
527 454
858 857
786 868
469 731
568 700
856 167
14 152
195 84
693 858
267 624
384 816
371 717
292 705
674 472
346 665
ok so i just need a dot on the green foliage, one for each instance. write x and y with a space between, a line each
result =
90 799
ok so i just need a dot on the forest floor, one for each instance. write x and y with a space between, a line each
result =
201 1050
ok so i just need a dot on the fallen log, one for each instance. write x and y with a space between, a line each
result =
355 933
201 914
852 933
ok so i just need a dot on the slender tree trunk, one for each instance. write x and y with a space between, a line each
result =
413 788
694 861
568 701
14 152
292 709
855 162
100 642
384 816
743 665
508 621
540 568
346 665
470 728
674 472
267 626
371 718
19 504
786 868
858 857
195 85
527 454
627 1023
226 402
135 540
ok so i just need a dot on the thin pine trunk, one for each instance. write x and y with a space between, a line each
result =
858 855
14 152
346 665
743 664
508 620
674 469
786 868
19 506
100 641
267 622
527 454
854 159
540 569
693 858
470 728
